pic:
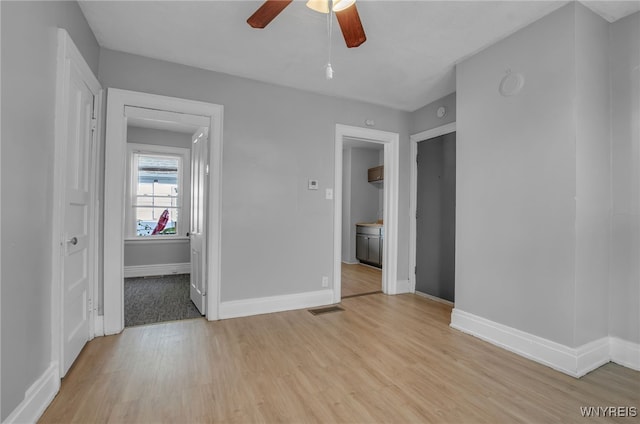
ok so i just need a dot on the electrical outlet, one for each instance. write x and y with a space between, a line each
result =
325 281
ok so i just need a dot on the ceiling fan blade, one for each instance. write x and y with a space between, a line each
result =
351 27
267 12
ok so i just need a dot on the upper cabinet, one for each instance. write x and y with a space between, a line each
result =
376 174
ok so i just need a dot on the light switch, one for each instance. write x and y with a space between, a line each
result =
313 184
328 194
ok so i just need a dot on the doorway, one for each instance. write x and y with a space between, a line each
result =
433 180
436 217
390 147
163 113
163 223
362 217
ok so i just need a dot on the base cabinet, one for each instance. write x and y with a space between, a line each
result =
369 245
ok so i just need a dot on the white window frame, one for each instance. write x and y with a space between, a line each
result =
183 204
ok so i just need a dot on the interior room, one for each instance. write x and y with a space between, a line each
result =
362 217
157 255
524 308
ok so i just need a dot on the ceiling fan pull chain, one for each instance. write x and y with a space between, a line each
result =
329 69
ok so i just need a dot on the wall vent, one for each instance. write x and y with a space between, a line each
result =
326 310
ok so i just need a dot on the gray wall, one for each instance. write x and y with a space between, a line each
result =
29 43
159 252
532 227
277 236
364 197
592 283
425 118
593 176
624 292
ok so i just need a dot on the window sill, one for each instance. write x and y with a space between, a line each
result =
156 239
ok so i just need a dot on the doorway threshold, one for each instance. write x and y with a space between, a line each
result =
361 294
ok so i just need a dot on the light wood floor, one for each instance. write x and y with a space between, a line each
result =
358 279
384 359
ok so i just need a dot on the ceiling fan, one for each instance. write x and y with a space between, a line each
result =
345 10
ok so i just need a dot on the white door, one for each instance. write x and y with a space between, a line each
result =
77 217
199 176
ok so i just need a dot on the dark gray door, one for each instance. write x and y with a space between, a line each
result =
436 214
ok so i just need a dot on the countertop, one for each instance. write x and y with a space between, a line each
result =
378 224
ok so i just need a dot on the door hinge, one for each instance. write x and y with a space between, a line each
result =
417 158
206 170
415 270
94 124
89 305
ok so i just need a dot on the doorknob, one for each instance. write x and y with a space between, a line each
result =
73 240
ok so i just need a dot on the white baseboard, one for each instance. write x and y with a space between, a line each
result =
37 397
575 362
159 269
351 263
412 283
399 287
267 305
592 355
98 326
625 353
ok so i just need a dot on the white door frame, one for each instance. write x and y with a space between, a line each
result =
68 55
413 196
391 143
114 194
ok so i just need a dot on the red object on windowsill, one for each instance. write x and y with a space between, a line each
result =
162 222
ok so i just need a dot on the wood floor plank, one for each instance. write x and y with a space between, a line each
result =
358 279
383 359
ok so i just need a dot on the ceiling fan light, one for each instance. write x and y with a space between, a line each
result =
321 6
340 5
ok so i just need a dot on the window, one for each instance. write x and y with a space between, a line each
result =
157 176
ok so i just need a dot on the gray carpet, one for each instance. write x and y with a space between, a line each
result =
157 299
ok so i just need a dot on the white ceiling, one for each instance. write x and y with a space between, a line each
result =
407 61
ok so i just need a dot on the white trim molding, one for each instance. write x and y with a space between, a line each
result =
156 269
98 326
399 287
267 305
115 158
413 192
625 353
37 397
391 143
575 362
